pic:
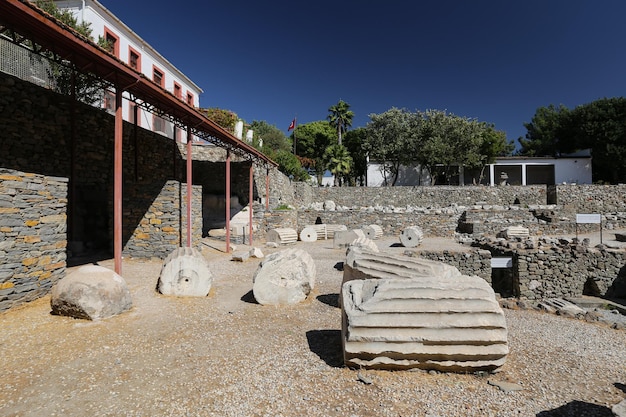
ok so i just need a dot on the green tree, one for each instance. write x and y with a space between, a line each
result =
340 117
601 127
354 141
392 138
493 144
338 161
312 140
224 118
288 164
84 87
449 141
545 131
271 136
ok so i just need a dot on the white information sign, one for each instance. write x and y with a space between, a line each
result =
589 218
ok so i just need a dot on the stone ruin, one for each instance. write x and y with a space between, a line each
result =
91 292
403 313
322 231
373 231
284 277
282 236
343 239
412 237
185 273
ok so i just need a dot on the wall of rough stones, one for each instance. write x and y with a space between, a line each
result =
434 197
475 262
549 268
32 235
61 147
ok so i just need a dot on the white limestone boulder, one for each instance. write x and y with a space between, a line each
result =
282 236
373 231
343 238
412 237
364 243
427 323
283 278
308 234
91 292
185 273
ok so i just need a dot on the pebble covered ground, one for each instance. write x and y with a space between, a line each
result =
224 355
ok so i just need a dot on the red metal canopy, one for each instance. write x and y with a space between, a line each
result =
36 25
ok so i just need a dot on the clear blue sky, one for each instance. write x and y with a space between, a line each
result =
493 60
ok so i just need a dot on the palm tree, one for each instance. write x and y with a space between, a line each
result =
338 161
340 117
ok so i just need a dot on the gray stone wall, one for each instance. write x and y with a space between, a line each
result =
163 226
32 235
63 150
566 270
434 197
440 223
476 262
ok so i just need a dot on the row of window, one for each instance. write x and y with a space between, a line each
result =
158 76
134 61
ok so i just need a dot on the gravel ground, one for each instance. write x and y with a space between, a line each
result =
225 355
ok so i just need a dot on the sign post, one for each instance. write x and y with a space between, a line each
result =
592 218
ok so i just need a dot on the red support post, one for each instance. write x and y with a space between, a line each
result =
250 196
227 201
189 186
117 183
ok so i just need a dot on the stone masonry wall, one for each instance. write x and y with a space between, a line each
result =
435 197
163 227
32 235
476 262
566 271
65 148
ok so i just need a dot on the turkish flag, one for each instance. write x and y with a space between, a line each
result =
292 125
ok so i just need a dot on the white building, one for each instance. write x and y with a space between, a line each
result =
131 49
514 170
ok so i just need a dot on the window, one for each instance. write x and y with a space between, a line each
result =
109 101
158 124
132 108
157 76
189 98
178 92
134 59
112 42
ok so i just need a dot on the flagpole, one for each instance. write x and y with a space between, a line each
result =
295 140
293 126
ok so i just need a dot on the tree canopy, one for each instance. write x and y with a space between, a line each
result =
83 87
599 126
340 117
438 141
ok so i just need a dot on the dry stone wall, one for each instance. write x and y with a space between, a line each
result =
562 268
32 235
56 159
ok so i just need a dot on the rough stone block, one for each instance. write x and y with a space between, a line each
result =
373 231
285 277
308 234
411 237
343 238
91 292
241 256
282 236
428 323
364 243
186 273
